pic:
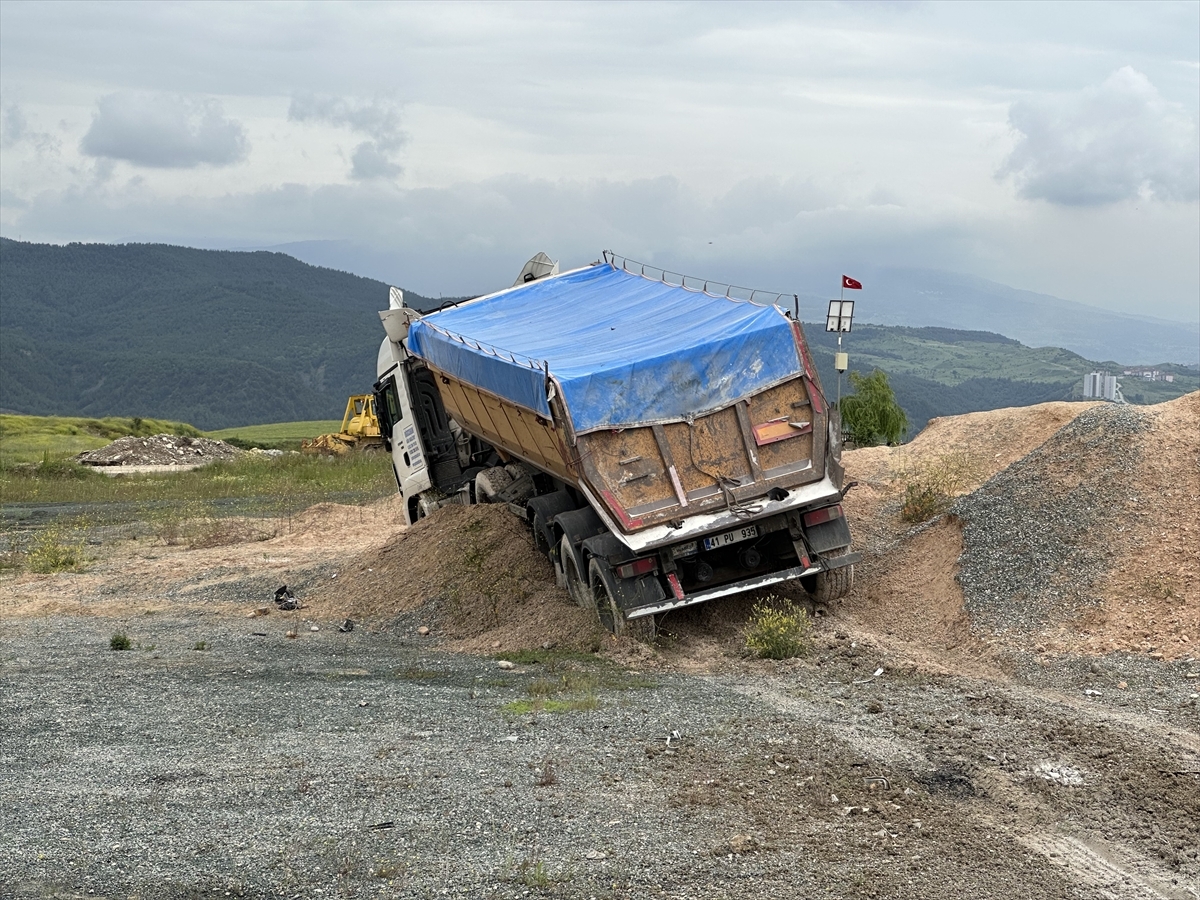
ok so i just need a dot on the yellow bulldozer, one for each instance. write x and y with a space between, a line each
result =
360 430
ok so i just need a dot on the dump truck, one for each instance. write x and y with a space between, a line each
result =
666 439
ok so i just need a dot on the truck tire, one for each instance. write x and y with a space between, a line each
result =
576 584
490 482
604 593
521 487
832 585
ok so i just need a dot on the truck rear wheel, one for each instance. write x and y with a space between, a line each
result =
576 586
604 592
490 482
825 587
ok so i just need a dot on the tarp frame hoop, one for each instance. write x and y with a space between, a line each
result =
708 288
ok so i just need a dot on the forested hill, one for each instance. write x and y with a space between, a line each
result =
214 338
221 339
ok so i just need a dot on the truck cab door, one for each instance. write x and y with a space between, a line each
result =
399 427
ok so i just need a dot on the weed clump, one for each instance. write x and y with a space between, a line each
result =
62 469
52 550
930 488
778 629
119 641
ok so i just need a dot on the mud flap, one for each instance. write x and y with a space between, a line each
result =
828 535
630 593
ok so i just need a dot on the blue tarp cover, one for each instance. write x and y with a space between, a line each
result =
625 349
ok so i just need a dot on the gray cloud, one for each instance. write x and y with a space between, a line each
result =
164 131
1111 142
379 120
471 236
12 125
14 129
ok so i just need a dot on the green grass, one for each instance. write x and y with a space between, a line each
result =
286 483
31 439
279 433
551 705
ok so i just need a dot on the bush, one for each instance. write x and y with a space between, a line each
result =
51 551
778 629
931 487
119 641
871 414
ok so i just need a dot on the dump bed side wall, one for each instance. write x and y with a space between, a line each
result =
514 430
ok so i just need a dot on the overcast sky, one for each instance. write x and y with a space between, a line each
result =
1051 147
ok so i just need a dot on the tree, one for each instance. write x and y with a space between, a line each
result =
871 413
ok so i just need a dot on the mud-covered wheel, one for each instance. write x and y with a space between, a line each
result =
490 482
575 583
825 587
604 593
538 526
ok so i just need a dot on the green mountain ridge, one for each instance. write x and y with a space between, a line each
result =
225 338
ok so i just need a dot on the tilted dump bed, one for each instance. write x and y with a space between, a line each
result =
660 402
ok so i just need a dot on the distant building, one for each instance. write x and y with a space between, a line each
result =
1149 374
1102 386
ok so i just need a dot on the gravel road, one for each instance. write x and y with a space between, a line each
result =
369 764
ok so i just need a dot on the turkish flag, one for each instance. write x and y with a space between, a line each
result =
850 284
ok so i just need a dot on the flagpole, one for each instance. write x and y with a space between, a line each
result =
841 297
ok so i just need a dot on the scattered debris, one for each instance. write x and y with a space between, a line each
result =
378 826
740 844
290 634
159 450
1058 773
596 854
876 781
286 600
346 626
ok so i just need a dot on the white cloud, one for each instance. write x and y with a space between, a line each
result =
1115 141
379 120
164 131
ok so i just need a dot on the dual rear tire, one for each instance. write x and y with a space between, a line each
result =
598 591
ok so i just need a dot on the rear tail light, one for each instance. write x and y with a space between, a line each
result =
638 567
817 516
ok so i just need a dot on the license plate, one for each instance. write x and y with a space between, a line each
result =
731 537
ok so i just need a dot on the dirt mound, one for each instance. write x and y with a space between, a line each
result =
1036 541
1149 595
159 450
990 440
1082 538
476 577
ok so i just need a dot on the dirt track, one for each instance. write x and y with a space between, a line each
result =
1059 759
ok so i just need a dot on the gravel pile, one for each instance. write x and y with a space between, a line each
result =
159 450
1033 535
